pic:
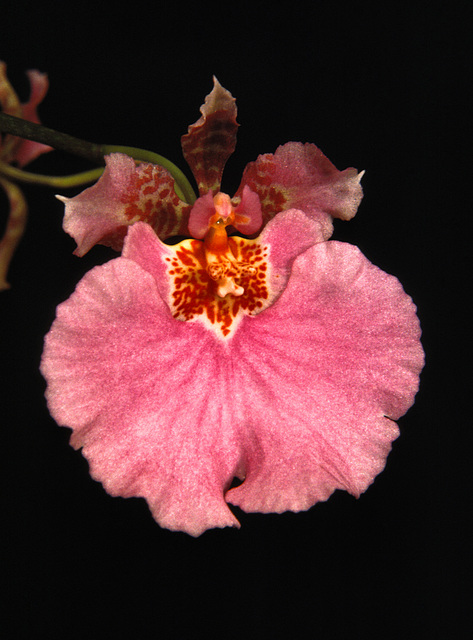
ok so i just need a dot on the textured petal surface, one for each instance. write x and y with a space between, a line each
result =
212 139
301 400
13 149
124 195
299 176
326 370
140 391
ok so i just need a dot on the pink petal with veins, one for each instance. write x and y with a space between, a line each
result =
327 369
150 428
298 402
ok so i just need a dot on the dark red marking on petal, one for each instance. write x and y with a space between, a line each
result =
212 139
194 292
207 149
260 176
300 176
152 199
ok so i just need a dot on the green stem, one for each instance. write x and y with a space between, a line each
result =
58 182
90 151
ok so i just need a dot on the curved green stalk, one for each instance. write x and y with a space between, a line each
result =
58 182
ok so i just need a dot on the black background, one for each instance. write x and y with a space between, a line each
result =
378 86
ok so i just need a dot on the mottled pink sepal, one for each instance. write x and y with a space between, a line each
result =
212 139
300 176
125 194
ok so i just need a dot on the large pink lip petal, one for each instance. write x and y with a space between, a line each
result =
298 403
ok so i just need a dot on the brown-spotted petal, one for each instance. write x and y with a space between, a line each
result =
125 194
300 176
212 139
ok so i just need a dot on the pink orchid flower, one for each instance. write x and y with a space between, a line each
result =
296 176
282 361
14 150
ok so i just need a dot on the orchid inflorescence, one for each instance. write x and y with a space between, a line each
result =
253 349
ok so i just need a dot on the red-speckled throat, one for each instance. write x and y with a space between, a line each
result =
219 279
